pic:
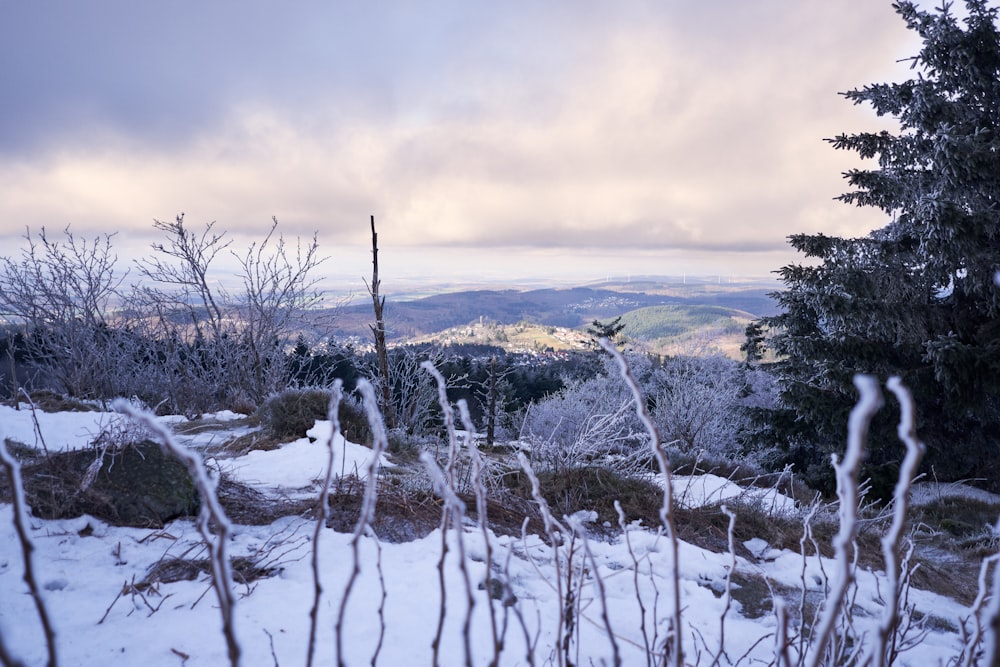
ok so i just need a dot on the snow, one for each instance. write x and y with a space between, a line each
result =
56 431
299 464
86 569
701 490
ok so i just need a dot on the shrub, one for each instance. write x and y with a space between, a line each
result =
696 403
294 411
403 446
584 423
354 422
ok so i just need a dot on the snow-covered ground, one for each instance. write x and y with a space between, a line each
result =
87 569
299 464
700 490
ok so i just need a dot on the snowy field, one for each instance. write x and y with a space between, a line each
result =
87 570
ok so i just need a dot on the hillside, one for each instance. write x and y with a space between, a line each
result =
688 328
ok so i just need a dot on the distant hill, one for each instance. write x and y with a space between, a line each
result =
654 311
672 321
688 328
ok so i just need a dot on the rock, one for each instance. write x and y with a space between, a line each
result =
137 485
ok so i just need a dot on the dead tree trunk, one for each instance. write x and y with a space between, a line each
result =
491 392
491 408
378 330
14 388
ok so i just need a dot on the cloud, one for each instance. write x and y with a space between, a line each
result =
626 126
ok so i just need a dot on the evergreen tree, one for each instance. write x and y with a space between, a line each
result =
917 297
611 330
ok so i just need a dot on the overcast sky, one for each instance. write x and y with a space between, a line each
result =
518 138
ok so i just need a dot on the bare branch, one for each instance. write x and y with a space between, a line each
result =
676 652
13 470
885 650
322 512
378 330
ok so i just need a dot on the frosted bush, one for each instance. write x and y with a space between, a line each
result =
696 403
587 421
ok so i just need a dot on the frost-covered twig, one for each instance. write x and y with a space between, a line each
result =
34 421
728 595
456 509
972 642
447 509
635 584
991 648
808 538
13 470
781 643
367 513
885 645
322 512
576 523
529 643
211 512
847 493
482 521
384 593
554 530
574 601
676 651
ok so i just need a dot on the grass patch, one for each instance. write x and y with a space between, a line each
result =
246 506
23 453
248 442
595 489
49 401
202 425
406 512
966 521
170 570
137 485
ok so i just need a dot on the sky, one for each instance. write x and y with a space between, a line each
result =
490 140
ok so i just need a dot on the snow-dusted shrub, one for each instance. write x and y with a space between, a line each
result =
354 420
60 291
591 421
696 403
586 422
292 412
